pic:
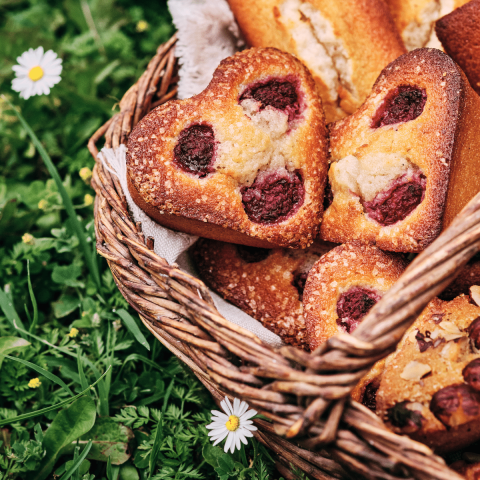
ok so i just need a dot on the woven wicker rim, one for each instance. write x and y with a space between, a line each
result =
314 424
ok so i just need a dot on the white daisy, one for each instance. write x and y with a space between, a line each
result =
36 73
235 425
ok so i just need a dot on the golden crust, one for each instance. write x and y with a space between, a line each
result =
346 266
441 142
460 36
415 19
447 358
161 188
365 29
264 289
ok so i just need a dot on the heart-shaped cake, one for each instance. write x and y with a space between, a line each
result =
406 162
266 284
243 162
343 285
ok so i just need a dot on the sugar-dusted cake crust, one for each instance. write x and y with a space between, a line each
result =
344 268
459 34
344 44
415 20
441 146
266 284
418 390
233 141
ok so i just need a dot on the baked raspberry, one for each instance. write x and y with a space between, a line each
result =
353 305
401 105
277 93
195 150
252 254
398 201
273 197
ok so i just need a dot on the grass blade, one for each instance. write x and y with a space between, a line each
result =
67 202
77 462
43 372
159 432
25 416
33 300
9 311
133 328
81 372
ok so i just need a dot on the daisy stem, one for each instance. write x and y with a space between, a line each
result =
67 202
244 456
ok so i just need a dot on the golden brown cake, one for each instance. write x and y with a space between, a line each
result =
266 284
244 161
407 161
345 44
430 388
343 285
459 33
415 20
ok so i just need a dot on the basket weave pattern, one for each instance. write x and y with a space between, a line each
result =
314 423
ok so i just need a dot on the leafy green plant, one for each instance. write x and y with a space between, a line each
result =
68 339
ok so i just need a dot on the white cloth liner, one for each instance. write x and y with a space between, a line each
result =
172 246
207 33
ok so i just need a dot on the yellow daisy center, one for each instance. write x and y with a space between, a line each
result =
35 73
233 423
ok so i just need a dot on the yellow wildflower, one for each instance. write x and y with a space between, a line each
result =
85 174
34 383
28 239
142 25
73 332
42 204
88 199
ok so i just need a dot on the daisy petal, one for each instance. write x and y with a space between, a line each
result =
229 406
220 438
247 433
238 445
236 405
248 415
243 408
228 442
251 427
220 414
224 405
243 439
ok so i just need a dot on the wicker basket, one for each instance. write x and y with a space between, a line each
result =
314 423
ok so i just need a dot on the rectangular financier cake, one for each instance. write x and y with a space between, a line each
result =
459 33
408 160
345 44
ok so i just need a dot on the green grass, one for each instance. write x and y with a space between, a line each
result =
112 382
